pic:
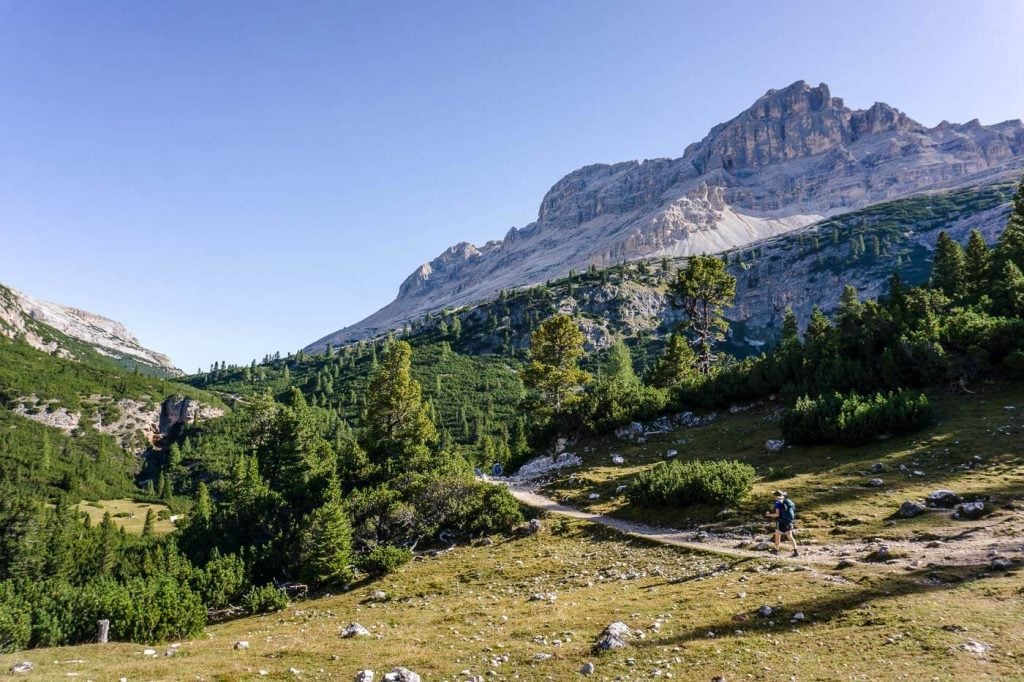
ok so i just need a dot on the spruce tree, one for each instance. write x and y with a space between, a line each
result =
396 426
325 543
1008 292
1010 246
676 365
790 330
150 523
977 266
948 267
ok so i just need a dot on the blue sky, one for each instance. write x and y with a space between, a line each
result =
235 178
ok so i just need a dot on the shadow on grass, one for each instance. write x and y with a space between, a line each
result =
841 603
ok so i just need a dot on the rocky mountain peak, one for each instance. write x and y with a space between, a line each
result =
794 157
796 121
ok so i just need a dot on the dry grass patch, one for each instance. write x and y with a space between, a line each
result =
127 514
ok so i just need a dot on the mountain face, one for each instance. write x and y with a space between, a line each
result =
22 316
794 158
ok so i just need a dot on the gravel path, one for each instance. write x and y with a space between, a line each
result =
969 546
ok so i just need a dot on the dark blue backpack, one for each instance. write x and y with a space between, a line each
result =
788 511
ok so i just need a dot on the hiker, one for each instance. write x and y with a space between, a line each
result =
784 514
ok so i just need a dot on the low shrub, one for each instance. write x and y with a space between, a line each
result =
265 599
384 559
695 482
852 419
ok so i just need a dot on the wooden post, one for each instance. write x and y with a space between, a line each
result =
104 630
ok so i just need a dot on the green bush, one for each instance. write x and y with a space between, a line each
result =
384 559
696 482
851 419
265 599
15 621
222 581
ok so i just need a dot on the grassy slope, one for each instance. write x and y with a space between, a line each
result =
828 482
874 621
459 611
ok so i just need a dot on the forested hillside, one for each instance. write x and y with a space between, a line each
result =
336 467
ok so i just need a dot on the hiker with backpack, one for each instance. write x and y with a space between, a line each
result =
784 514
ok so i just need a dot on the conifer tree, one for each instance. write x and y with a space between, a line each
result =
1008 291
790 330
948 267
397 428
1010 246
150 523
849 311
555 351
978 266
703 289
325 544
676 365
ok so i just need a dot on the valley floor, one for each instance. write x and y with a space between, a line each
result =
532 608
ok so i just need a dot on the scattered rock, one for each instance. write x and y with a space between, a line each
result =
379 595
909 509
613 637
542 657
876 468
765 611
973 646
620 489
969 511
1000 564
944 499
876 482
530 528
364 676
799 615
774 444
149 652
844 564
594 496
401 675
23 667
618 459
671 453
543 596
241 644
587 668
354 630
295 671
544 463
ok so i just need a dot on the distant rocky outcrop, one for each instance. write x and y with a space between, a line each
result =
138 424
796 156
21 316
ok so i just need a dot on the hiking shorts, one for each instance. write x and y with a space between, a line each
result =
784 526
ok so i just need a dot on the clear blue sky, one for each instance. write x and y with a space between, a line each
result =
235 178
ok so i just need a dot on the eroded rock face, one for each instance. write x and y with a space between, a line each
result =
795 156
180 410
